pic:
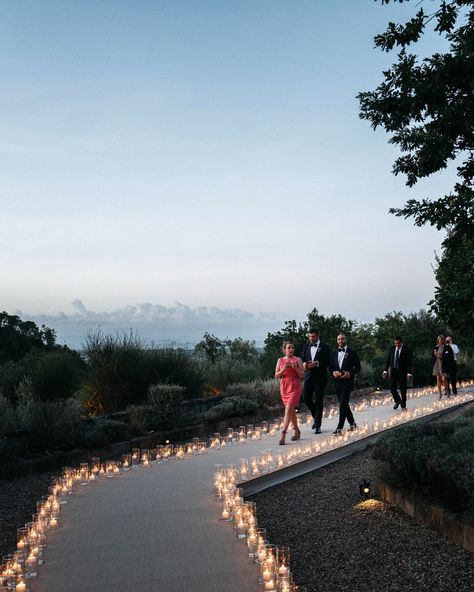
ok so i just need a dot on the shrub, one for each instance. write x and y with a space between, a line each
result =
98 431
7 415
437 459
266 393
164 401
56 375
174 366
228 371
138 419
368 375
53 424
231 407
116 374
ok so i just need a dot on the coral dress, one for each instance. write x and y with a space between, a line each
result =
290 382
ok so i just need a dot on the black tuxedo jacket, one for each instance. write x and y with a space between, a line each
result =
447 361
319 373
404 360
351 364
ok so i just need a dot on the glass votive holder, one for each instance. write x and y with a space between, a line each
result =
195 446
249 431
102 470
256 541
254 466
180 451
242 434
159 454
215 441
202 446
22 539
53 522
135 457
84 473
241 528
250 510
283 560
264 428
31 565
126 462
110 469
266 573
243 469
168 450
95 466
145 458
226 512
55 508
35 531
42 509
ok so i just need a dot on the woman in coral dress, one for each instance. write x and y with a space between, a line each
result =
290 371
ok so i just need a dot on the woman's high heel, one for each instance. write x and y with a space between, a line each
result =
282 438
297 435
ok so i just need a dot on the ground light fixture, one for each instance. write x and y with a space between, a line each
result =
364 488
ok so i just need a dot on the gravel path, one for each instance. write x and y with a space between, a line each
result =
18 499
339 542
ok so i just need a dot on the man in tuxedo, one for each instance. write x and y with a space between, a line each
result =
316 362
453 376
398 365
344 366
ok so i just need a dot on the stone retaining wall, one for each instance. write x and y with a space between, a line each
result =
433 515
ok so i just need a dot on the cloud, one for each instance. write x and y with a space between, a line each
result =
178 323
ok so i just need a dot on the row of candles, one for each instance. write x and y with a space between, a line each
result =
273 561
19 567
270 460
274 572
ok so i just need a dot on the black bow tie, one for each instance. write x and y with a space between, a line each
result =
341 350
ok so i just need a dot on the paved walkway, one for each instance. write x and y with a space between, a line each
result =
158 529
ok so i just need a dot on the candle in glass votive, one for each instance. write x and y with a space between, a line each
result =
53 523
270 586
282 570
20 587
266 574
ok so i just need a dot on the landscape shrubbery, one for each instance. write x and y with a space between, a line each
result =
59 398
436 459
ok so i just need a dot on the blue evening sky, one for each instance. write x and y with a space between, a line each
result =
202 152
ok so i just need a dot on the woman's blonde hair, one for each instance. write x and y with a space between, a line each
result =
285 343
441 337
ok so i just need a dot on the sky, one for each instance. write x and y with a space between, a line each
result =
188 166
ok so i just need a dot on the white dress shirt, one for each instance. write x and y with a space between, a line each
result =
314 350
340 357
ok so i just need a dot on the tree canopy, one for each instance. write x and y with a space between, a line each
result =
18 337
454 295
428 108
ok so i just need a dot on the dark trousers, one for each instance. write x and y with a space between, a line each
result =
313 396
453 378
398 379
343 393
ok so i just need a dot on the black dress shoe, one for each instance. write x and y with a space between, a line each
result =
337 432
396 405
353 427
317 431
